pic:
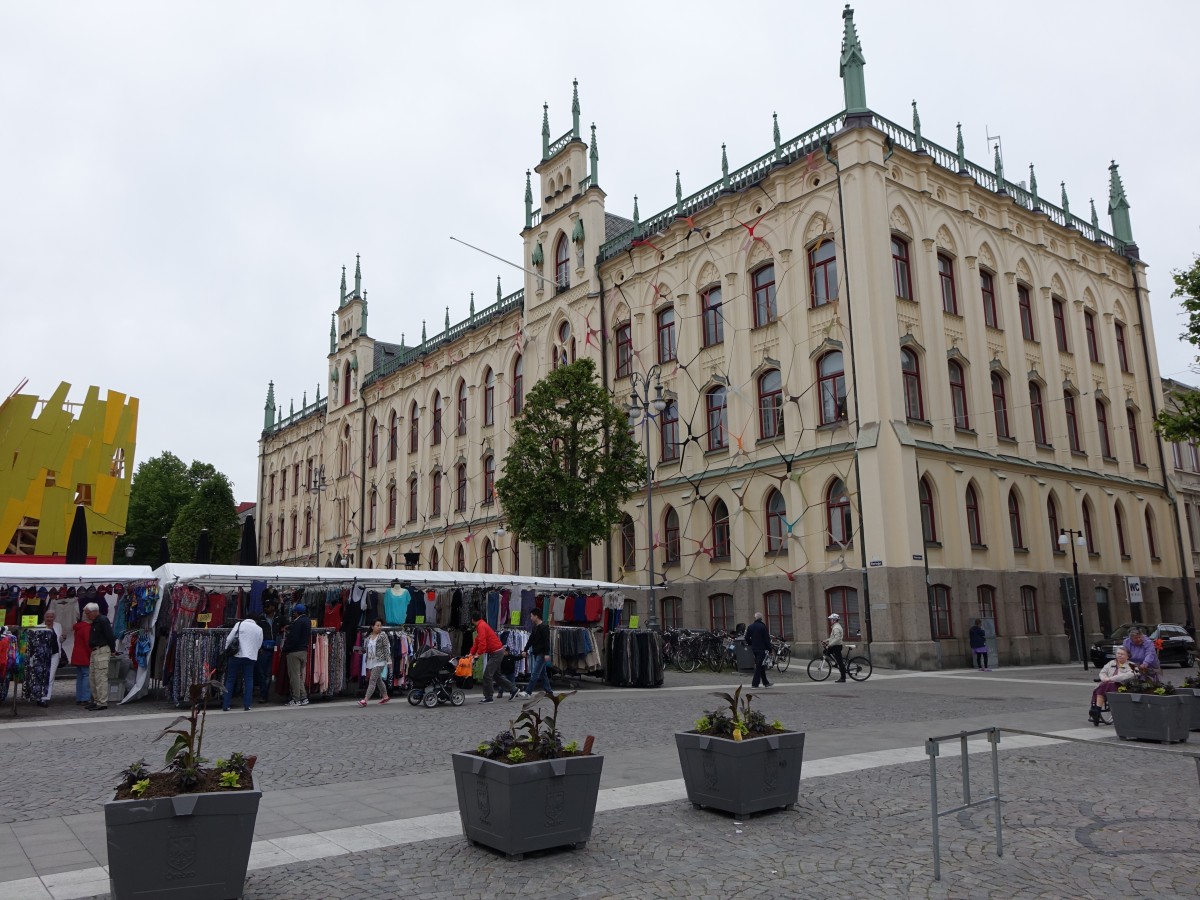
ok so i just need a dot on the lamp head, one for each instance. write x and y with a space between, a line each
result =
1063 540
129 551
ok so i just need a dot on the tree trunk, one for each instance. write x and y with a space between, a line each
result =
573 566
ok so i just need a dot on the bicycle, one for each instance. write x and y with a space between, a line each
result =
779 656
858 668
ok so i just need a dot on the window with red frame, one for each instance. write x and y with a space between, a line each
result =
779 614
720 530
1122 352
1150 542
1052 522
372 511
1072 422
928 512
562 264
489 480
460 487
412 499
671 536
910 370
1025 306
1037 413
987 288
269 535
715 409
763 285
391 502
831 387
460 558
628 545
1119 518
900 268
669 432
1000 405
974 522
770 404
414 427
435 498
822 273
488 550
271 487
1014 521
720 612
434 560
1088 535
1102 429
393 438
307 527
714 320
1029 610
987 605
776 509
667 348
374 453
672 612
958 395
844 602
942 616
292 544
623 337
1059 308
295 479
489 398
839 526
518 385
461 407
946 280
1135 443
437 417
1089 329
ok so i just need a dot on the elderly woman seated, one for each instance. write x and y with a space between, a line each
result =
1112 676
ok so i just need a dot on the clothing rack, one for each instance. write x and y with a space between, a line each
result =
633 658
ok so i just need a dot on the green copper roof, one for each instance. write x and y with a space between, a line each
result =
269 408
528 200
595 157
538 256
545 131
917 124
854 86
575 107
342 297
774 134
1118 206
577 232
357 275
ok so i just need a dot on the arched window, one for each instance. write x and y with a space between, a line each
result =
461 407
714 320
1122 352
928 513
489 397
564 350
292 542
910 369
344 454
831 380
720 530
839 526
488 550
391 507
1025 305
1102 429
974 522
1089 330
1036 412
460 487
720 612
958 395
387 564
671 536
770 404
718 423
393 435
623 338
669 431
373 510
1072 421
987 605
946 280
269 536
307 527
1000 405
844 602
763 285
374 442
460 558
437 417
518 385
667 348
776 509
943 621
412 499
1014 520
489 480
435 561
1029 610
1052 522
1150 542
672 612
435 493
1059 308
516 556
900 268
346 383
778 606
1135 443
1089 535
562 264
987 289
822 273
1119 517
628 544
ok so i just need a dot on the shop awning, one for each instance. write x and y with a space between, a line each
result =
55 573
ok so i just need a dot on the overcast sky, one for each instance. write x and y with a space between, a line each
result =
182 182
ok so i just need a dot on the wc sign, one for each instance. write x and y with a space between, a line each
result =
1133 585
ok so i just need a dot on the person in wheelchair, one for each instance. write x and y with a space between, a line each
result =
1112 676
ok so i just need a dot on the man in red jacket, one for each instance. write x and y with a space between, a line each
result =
487 644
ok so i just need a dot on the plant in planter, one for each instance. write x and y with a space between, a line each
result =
736 761
1191 685
1145 708
185 831
526 790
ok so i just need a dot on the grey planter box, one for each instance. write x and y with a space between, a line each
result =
1194 704
741 777
1150 717
530 806
190 847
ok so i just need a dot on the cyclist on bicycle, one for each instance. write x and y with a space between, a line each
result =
833 645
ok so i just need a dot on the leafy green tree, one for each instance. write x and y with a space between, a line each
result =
572 464
1180 420
212 507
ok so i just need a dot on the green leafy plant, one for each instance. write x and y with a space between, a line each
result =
139 787
516 755
1192 681
1146 684
571 747
230 779
534 735
738 720
135 773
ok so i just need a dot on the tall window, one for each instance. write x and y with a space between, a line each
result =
720 612
844 602
672 612
671 536
292 543
489 398
943 621
628 545
1150 542
564 353
831 381
1089 535
461 407
1025 305
763 284
372 511
308 526
714 321
489 480
518 385
1122 352
928 513
269 536
910 369
770 404
562 264
488 550
1029 611
1089 329
822 273
1119 518
460 558
974 522
437 417
776 509
391 507
1052 523
345 390
374 446
958 395
987 288
1072 421
1135 443
623 337
295 479
669 431
838 524
345 448
414 427
435 494
1000 405
1059 308
779 613
1037 413
667 348
946 280
271 487
900 268
720 530
516 557
987 605
412 499
435 560
714 405
460 487
1014 521
283 483
393 436
1102 428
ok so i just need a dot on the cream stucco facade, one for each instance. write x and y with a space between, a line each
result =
893 374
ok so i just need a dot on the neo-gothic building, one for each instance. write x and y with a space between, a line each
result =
893 376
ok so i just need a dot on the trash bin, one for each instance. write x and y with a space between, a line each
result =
118 669
743 656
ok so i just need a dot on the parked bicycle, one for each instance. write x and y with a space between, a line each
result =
857 667
779 656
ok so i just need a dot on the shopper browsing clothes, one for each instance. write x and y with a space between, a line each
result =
538 652
295 651
50 624
379 653
487 644
103 643
81 657
248 636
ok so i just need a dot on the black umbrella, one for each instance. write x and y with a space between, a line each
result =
164 552
202 548
77 543
248 551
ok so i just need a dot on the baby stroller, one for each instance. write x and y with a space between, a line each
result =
432 680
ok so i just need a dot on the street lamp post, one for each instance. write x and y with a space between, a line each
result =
130 550
643 406
319 484
1065 536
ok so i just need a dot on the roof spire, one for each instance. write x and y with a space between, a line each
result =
304 400
332 333
1095 220
575 108
362 329
962 157
545 131
595 156
499 296
318 400
472 317
528 200
724 169
1118 206
357 275
1000 189
775 132
291 407
1066 205
1037 201
678 195
269 408
917 127
637 221
854 85
447 321
342 298
423 338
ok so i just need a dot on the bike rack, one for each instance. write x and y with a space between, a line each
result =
933 750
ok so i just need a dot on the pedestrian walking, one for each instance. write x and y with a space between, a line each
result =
295 652
248 636
537 651
758 638
978 640
103 643
266 654
81 657
379 653
834 644
487 644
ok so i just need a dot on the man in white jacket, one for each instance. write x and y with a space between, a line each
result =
249 636
834 644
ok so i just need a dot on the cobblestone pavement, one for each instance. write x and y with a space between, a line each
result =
1070 830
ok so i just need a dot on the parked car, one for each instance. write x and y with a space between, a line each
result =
1174 645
